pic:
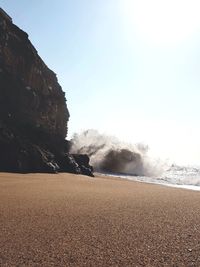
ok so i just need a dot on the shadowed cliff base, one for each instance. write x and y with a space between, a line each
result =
33 110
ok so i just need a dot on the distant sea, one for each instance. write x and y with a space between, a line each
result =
187 177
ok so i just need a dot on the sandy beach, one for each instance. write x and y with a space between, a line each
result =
74 220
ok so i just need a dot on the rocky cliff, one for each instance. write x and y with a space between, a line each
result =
33 110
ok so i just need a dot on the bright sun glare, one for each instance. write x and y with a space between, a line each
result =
165 22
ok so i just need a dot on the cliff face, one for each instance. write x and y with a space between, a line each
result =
30 93
33 111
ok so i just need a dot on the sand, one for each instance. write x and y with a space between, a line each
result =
74 220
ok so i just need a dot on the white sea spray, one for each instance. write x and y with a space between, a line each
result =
108 154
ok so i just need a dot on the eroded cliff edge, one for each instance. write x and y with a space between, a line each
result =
33 110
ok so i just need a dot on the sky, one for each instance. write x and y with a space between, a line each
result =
130 68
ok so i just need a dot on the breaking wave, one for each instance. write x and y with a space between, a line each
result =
109 155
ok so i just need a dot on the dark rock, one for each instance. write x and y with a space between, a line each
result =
83 162
33 110
67 163
19 154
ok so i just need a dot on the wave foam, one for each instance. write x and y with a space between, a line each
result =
108 154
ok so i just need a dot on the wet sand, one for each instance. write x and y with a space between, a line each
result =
71 220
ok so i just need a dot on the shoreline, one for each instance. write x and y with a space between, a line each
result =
75 220
129 178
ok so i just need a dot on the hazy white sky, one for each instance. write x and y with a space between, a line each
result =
130 68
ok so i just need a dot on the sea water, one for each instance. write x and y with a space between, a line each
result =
187 177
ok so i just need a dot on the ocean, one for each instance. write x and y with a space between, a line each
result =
187 177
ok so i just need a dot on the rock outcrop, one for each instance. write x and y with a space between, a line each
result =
33 110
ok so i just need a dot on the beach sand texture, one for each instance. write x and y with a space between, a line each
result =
74 220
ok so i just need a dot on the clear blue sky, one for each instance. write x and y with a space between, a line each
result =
130 68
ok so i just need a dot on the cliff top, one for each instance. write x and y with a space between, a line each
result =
5 15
